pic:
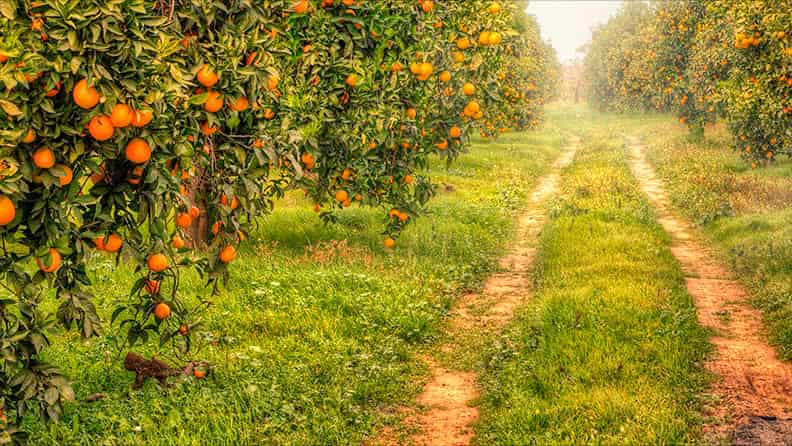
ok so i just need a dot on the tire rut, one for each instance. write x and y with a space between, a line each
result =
449 393
753 392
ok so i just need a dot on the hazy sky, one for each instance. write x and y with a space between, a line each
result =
567 23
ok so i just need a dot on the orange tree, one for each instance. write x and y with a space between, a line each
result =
157 132
702 60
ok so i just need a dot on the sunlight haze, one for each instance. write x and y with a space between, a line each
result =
567 24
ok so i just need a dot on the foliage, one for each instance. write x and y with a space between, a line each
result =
146 128
704 61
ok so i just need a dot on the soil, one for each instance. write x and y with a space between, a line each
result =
449 394
752 396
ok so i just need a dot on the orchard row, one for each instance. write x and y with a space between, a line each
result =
704 60
158 133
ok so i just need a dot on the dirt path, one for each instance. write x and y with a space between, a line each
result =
753 393
448 394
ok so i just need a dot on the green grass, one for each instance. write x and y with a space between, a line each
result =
319 340
609 350
745 213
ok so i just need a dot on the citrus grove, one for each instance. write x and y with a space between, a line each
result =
705 61
157 132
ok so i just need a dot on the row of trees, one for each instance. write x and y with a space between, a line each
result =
703 60
159 131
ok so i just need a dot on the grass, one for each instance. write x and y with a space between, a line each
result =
609 350
317 333
746 213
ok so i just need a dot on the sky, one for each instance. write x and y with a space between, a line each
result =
567 24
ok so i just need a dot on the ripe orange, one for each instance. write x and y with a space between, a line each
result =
390 243
138 151
183 330
445 76
233 204
351 80
207 130
341 196
177 242
408 179
122 115
162 311
494 8
455 132
469 89
183 220
101 128
240 105
269 114
227 254
495 38
29 137
214 102
207 77
411 113
157 262
195 211
200 374
7 210
141 118
113 243
85 95
43 158
463 43
52 265
68 175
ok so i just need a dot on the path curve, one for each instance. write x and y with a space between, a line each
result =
449 393
754 388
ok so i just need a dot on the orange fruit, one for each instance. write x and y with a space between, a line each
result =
183 330
53 264
162 311
207 77
121 116
390 243
183 220
241 104
7 210
463 43
494 8
351 80
469 89
224 201
495 38
199 374
207 130
455 132
29 137
214 102
141 118
300 7
85 95
157 262
43 158
445 76
68 175
195 211
177 242
101 128
113 243
227 254
341 196
138 151
411 113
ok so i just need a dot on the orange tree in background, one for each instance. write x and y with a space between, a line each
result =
703 60
157 132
